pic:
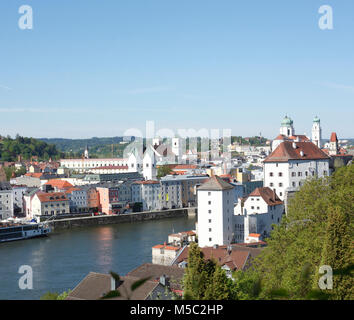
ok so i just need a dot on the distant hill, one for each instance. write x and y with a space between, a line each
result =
98 147
10 149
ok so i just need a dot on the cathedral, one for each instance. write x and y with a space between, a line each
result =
287 133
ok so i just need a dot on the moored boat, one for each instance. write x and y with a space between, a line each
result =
16 231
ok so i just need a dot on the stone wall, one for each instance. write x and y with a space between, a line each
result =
113 219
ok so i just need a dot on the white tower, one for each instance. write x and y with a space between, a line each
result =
86 153
215 212
316 132
149 164
177 148
287 127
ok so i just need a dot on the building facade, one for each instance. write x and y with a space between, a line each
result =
215 212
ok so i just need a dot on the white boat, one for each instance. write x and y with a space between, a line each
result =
12 232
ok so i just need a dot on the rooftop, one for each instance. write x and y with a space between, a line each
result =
216 183
288 150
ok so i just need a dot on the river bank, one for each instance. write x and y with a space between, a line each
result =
69 223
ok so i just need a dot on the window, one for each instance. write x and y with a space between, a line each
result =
209 211
299 174
280 174
209 193
294 184
257 208
280 184
209 220
280 193
325 172
306 173
293 174
210 239
271 174
209 229
252 207
209 202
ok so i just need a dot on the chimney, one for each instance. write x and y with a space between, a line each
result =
113 284
229 249
164 280
294 145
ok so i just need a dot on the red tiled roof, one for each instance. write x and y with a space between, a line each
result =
147 182
256 235
236 259
60 184
34 175
268 195
185 166
51 196
166 247
285 152
334 137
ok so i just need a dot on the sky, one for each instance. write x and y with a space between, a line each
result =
101 67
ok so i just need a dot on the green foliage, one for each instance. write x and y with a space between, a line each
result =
205 280
98 147
10 149
316 231
163 171
50 296
55 295
247 284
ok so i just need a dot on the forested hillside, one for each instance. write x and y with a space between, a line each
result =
10 149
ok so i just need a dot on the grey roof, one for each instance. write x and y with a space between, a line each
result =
4 185
215 183
95 285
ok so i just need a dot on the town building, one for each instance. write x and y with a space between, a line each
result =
78 201
215 212
164 254
257 214
6 200
291 163
180 191
148 193
49 204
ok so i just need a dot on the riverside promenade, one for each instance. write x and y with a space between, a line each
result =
68 223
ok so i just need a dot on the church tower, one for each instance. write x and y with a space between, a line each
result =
86 153
287 127
316 132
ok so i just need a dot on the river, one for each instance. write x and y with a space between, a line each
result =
60 261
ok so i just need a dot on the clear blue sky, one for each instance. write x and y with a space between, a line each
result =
96 68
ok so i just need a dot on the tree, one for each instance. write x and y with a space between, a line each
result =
220 287
198 274
310 235
163 171
338 254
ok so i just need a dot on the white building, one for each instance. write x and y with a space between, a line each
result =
257 213
6 201
84 165
293 162
149 164
215 212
